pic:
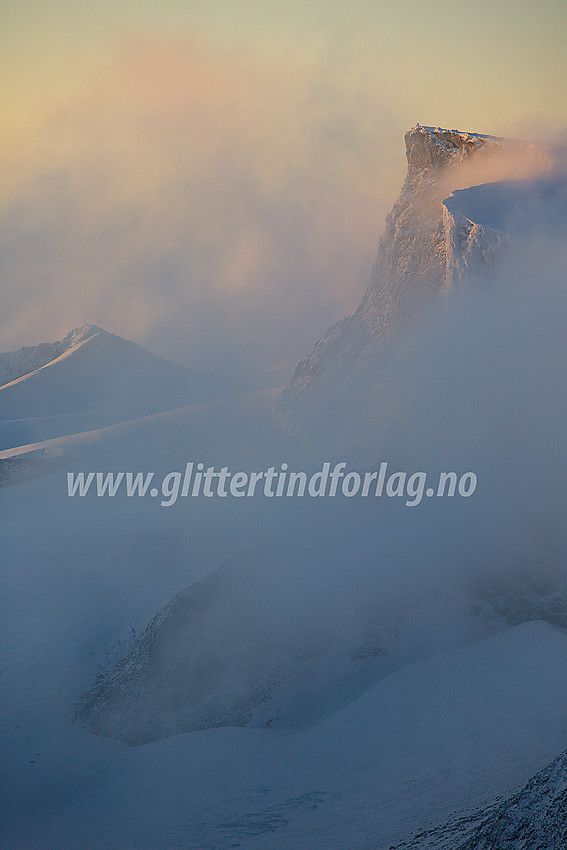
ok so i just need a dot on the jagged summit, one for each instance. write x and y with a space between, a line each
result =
435 130
425 250
81 333
435 147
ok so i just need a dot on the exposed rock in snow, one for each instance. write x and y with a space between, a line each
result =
469 246
533 819
428 247
28 464
534 588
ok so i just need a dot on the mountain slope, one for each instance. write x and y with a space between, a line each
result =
434 738
221 653
534 818
15 364
91 369
422 255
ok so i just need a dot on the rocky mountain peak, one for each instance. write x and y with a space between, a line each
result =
425 251
433 148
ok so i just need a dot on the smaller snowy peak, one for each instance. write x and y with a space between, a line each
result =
16 364
81 334
91 369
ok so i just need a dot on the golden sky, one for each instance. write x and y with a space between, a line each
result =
194 170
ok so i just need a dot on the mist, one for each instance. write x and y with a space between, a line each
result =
297 588
221 209
265 626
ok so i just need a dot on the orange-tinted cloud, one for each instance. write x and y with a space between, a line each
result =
192 197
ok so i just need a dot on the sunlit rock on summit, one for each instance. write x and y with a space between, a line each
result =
429 247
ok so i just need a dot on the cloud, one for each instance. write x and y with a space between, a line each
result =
220 208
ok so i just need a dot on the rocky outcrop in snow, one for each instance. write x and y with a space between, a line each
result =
533 819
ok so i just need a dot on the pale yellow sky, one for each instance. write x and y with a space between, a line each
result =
176 166
495 64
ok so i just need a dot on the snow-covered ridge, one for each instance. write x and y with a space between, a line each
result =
93 370
207 661
201 664
479 221
515 207
15 364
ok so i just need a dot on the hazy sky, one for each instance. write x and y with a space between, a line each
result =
210 178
